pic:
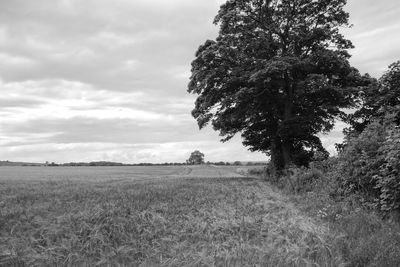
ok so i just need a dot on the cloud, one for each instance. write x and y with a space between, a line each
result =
115 45
374 34
106 80
128 153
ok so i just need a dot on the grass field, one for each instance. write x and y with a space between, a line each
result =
152 216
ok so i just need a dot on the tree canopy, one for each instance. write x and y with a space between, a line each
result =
377 100
278 74
196 158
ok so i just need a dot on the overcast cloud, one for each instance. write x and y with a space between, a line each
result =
84 80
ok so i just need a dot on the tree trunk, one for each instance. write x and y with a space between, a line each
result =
286 155
276 163
287 116
274 157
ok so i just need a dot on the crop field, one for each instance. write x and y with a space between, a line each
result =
152 216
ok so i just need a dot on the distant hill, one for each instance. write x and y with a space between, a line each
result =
52 164
11 163
94 163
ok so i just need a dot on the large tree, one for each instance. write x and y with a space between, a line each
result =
278 73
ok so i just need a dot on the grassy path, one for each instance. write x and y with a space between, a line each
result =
175 222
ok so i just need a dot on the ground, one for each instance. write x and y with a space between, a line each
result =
153 216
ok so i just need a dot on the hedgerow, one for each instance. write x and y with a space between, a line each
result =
370 165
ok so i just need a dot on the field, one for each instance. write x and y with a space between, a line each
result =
152 216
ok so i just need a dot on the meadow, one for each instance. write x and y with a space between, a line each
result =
153 216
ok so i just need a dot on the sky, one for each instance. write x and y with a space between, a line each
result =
91 80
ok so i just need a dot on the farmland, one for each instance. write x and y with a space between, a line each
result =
152 216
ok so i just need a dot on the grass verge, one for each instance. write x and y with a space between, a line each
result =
361 236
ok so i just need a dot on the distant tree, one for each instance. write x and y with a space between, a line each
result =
278 74
196 158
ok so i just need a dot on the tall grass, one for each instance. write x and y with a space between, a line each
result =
176 222
361 235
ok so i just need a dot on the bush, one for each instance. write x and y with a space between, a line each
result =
305 179
256 171
388 178
370 165
296 180
360 160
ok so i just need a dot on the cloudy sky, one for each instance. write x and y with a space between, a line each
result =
84 80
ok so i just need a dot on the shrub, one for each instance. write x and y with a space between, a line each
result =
307 179
296 180
388 178
360 160
256 171
370 165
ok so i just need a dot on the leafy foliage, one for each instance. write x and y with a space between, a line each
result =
361 160
370 160
377 99
388 180
196 157
278 74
